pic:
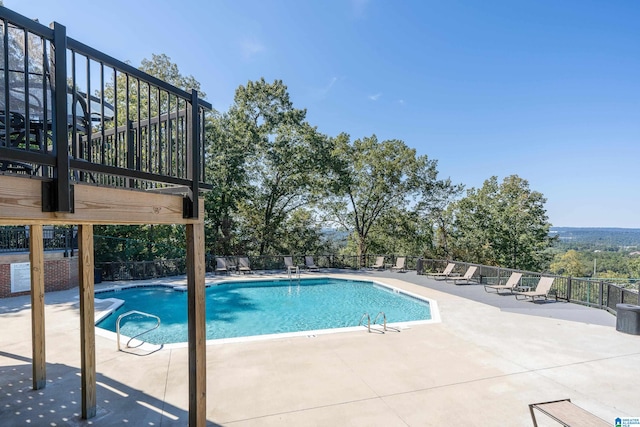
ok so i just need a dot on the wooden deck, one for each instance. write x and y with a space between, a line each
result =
150 171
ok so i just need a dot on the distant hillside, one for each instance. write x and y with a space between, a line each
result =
598 237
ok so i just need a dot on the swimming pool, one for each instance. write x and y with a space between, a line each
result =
262 308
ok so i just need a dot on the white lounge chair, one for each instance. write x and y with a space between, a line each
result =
468 276
379 264
542 289
447 272
400 261
243 265
566 413
511 285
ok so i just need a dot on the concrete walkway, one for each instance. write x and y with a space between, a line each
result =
481 366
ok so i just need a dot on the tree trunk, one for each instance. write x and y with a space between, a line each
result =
362 251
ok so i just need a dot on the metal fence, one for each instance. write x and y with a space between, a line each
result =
138 270
16 239
73 114
276 262
596 293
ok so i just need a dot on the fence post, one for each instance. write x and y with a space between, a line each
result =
569 288
193 157
600 294
60 193
130 137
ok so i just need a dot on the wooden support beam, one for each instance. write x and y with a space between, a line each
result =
36 258
196 320
87 321
21 203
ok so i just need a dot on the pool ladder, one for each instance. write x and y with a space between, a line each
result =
297 272
141 333
384 317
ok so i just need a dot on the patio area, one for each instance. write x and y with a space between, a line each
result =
482 365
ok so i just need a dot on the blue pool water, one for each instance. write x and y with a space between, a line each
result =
241 309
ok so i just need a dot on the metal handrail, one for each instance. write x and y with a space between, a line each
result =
384 317
141 333
368 321
135 154
297 270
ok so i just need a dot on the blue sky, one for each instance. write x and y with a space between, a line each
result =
548 90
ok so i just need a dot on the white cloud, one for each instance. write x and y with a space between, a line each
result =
325 90
251 48
330 85
322 92
375 97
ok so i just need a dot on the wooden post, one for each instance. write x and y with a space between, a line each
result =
87 322
196 320
36 258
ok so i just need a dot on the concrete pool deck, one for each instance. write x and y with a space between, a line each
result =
482 365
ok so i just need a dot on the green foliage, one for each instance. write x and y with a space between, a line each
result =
503 224
400 232
266 163
160 66
276 179
373 188
571 263
634 266
138 243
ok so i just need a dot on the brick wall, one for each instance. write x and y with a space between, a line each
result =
60 272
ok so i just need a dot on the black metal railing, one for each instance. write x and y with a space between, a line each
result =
73 114
596 293
139 270
337 261
16 239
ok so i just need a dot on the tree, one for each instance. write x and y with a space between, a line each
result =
376 182
160 66
503 224
634 267
269 163
571 263
400 232
225 169
286 175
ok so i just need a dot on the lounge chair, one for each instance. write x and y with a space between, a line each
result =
310 264
400 261
288 264
447 272
243 265
542 289
566 413
468 276
379 264
221 265
511 285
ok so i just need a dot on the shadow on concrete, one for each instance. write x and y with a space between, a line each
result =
59 403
